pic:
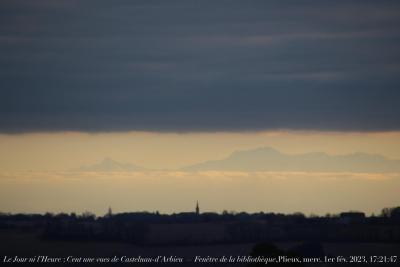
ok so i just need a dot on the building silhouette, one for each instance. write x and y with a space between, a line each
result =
197 208
109 213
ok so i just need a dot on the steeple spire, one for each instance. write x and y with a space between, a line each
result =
109 212
197 208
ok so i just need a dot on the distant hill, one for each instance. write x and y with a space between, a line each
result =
108 165
269 159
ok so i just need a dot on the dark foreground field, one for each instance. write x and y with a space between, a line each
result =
29 244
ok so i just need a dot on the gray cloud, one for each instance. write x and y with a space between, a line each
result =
199 66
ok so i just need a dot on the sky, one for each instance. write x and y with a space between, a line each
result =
225 65
151 150
167 84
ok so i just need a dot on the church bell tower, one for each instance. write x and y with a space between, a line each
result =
197 208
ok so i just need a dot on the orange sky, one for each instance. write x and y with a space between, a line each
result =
63 151
34 174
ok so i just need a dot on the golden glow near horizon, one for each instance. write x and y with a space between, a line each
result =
63 151
171 191
34 174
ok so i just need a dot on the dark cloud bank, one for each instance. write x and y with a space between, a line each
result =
199 65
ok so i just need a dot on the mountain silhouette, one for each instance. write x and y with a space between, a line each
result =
269 159
107 165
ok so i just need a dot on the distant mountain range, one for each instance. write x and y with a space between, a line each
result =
269 159
108 165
